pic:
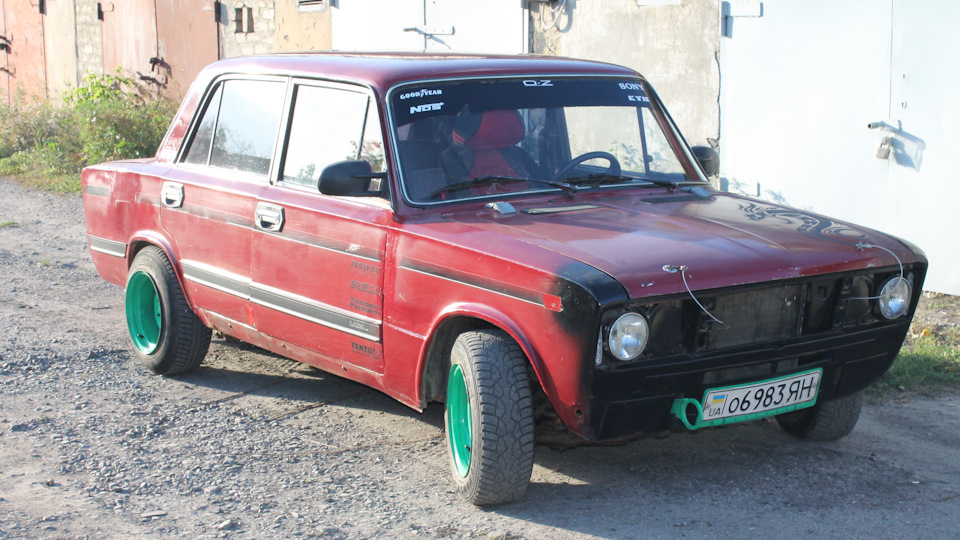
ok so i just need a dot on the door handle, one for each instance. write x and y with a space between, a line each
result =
172 194
269 217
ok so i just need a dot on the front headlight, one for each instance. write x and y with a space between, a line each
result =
894 300
628 336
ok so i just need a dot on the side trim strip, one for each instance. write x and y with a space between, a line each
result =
108 247
329 244
315 312
282 301
216 279
308 239
99 191
502 289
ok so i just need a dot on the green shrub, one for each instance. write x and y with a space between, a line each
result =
928 364
115 118
109 117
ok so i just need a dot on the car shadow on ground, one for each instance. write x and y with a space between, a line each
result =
753 466
235 370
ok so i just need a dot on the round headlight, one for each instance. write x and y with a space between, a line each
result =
628 336
894 298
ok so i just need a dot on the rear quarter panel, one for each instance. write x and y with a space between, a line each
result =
118 209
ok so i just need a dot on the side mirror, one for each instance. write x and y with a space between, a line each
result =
347 178
708 158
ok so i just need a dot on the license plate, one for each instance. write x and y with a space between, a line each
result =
766 398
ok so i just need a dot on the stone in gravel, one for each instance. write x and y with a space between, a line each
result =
151 515
226 525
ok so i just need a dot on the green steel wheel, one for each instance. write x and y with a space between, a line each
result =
144 315
167 335
459 428
489 418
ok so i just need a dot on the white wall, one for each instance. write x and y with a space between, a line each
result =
799 86
490 26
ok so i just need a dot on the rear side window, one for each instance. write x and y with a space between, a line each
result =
239 126
330 125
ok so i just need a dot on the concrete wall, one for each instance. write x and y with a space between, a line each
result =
675 45
246 42
306 31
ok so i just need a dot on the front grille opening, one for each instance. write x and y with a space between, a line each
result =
770 314
755 316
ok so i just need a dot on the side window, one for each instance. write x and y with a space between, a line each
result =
329 125
371 150
239 126
199 151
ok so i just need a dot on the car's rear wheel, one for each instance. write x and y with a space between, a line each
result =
489 418
825 421
167 335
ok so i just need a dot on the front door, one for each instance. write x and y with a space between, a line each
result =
317 259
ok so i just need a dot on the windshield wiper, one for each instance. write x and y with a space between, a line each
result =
492 180
597 179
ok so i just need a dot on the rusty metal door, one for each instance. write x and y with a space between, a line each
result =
4 60
129 31
22 74
187 40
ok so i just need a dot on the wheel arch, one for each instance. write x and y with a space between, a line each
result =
435 358
144 239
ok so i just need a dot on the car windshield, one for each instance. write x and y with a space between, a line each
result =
486 138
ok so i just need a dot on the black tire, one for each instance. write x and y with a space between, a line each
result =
825 421
167 335
491 438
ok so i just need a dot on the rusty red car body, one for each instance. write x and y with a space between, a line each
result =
377 287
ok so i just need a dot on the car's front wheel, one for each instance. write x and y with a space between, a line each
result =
167 335
489 418
825 421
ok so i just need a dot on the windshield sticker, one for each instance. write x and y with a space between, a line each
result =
426 107
540 83
634 87
424 92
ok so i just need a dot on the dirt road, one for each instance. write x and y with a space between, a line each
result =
256 446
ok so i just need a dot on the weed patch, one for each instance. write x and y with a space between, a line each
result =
109 117
928 364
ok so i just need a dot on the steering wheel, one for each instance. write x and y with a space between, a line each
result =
613 169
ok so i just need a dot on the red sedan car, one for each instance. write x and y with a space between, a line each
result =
526 239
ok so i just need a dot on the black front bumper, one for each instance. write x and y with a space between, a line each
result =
636 398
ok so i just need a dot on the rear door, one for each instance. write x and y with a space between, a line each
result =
317 259
208 200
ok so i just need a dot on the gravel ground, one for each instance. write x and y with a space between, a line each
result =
256 446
